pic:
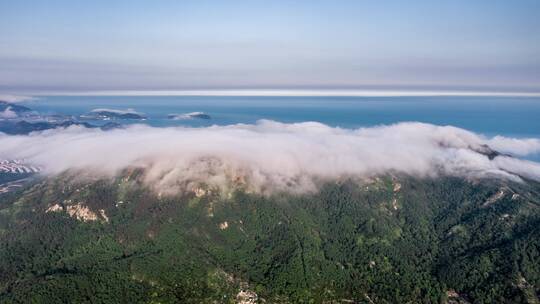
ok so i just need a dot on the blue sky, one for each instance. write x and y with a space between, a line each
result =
146 45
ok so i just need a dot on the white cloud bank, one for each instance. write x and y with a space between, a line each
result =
272 155
293 92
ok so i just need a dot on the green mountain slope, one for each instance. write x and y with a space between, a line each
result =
390 240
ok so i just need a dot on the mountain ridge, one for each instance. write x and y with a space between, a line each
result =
393 239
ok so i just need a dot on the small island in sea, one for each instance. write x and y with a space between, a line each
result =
112 114
197 115
21 120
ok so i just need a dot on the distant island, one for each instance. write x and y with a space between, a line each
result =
19 120
4 105
197 115
111 114
10 110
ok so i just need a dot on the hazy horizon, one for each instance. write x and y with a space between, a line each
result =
50 46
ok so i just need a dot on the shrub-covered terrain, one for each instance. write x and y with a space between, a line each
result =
390 240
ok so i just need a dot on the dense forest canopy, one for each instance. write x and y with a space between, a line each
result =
392 239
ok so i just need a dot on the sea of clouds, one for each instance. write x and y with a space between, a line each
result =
270 155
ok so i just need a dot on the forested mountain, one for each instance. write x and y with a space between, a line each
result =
393 239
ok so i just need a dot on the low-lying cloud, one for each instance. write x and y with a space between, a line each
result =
273 156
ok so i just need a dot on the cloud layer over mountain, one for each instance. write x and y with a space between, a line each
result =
271 155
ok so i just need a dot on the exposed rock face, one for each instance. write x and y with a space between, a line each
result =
103 215
200 192
223 225
497 196
455 298
246 297
79 211
54 208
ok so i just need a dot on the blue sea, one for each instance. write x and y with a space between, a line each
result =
509 116
490 116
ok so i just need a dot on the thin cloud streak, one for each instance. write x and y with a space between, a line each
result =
291 92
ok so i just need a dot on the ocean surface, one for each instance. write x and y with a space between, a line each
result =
509 116
490 116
